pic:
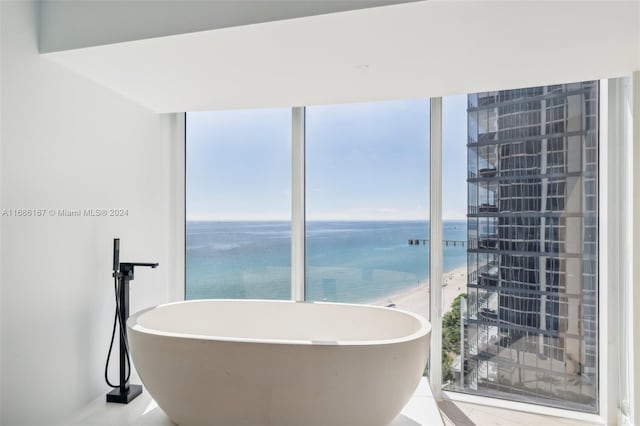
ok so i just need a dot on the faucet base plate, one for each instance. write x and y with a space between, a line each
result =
126 397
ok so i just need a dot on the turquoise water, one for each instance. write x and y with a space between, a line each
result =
346 261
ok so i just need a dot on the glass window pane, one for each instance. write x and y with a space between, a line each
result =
454 224
238 196
367 203
527 329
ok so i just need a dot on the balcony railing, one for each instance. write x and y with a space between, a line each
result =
488 242
488 281
487 172
487 208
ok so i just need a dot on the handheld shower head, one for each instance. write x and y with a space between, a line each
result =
116 254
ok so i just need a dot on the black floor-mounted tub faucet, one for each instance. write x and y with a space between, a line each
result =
123 274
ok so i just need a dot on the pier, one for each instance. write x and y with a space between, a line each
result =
423 242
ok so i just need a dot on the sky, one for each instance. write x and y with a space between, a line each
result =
364 161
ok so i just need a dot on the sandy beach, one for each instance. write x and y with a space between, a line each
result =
416 299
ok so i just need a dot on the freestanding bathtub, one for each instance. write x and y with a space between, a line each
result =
280 363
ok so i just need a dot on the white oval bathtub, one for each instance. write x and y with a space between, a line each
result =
256 362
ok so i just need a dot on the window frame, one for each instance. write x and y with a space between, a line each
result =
609 176
607 368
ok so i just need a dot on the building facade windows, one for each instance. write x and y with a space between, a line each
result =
531 327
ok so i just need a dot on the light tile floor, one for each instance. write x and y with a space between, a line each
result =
421 410
466 414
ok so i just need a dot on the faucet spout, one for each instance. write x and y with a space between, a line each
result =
128 264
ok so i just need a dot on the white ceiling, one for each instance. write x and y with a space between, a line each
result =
73 24
410 50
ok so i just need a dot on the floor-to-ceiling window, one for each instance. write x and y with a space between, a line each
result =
454 231
367 203
238 204
367 200
520 225
528 314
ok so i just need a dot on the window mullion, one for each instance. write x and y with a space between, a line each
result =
435 249
298 261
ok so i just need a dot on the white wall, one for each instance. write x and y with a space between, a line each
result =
635 272
69 143
1 97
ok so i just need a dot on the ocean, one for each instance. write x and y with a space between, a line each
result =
346 261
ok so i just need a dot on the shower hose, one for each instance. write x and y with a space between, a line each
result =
123 339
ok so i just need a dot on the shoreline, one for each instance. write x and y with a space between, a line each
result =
416 299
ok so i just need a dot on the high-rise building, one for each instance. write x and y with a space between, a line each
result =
531 328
